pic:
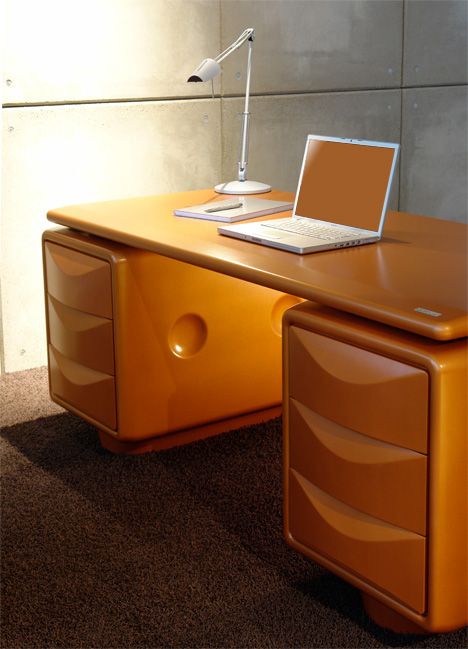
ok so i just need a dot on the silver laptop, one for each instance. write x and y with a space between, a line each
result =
341 199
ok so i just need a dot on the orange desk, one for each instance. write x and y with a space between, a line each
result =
374 391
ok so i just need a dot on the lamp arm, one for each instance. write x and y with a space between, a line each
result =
247 34
244 150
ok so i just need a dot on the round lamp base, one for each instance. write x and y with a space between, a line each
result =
242 187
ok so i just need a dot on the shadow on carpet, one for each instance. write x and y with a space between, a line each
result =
181 548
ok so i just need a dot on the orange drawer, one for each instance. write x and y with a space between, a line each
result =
81 337
89 391
78 280
382 480
385 556
358 389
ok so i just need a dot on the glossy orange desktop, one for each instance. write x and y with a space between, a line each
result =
374 379
420 263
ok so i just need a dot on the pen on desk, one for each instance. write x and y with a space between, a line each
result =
221 208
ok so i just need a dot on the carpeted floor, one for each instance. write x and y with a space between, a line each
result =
181 548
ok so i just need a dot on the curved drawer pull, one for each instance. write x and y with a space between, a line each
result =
349 364
72 263
81 337
76 373
90 392
350 522
350 446
74 320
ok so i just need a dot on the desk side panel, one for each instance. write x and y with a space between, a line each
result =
192 346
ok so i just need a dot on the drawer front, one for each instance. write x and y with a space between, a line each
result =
78 280
382 480
385 556
81 337
89 391
360 390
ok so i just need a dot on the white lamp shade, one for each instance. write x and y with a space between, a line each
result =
208 69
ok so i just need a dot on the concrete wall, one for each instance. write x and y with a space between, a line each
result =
95 107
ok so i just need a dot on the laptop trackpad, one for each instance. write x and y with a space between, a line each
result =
264 232
272 235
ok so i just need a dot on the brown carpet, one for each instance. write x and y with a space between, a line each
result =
181 548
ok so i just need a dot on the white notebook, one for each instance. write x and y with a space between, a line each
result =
237 208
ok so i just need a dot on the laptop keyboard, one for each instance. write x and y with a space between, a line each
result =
316 230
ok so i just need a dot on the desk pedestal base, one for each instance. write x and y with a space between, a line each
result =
178 438
388 618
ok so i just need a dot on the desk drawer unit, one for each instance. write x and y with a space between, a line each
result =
366 446
80 332
148 347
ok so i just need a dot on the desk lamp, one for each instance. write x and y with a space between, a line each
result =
209 69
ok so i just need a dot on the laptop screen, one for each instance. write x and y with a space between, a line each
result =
346 182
